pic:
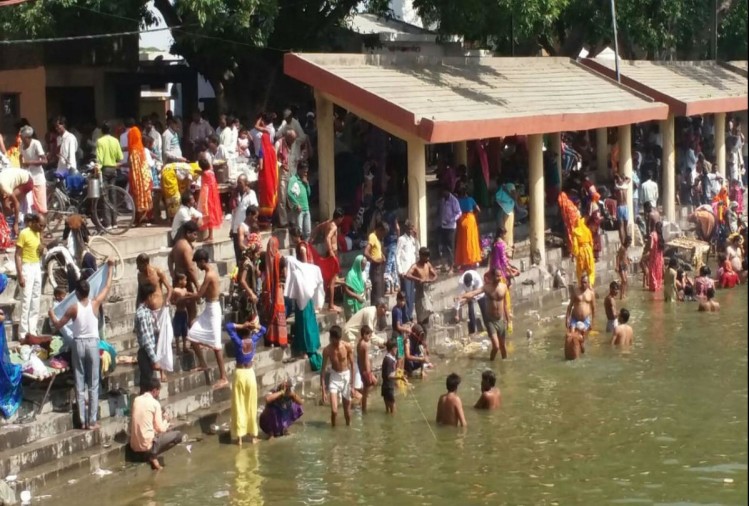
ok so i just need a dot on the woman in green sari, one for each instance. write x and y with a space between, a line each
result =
355 288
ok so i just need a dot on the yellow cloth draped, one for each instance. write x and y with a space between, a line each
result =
244 404
582 250
175 180
467 245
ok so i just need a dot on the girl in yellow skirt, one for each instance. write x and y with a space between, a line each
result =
467 245
244 388
582 250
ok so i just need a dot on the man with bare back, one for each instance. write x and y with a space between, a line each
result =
329 264
206 331
449 405
180 260
148 274
621 186
623 334
364 363
582 306
340 356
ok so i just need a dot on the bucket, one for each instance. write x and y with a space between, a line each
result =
94 188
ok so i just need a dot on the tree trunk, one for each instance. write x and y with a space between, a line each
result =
220 91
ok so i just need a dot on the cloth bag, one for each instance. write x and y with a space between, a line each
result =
164 355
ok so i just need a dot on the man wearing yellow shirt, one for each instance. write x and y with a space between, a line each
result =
29 249
109 156
376 259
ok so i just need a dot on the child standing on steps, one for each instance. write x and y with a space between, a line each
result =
180 321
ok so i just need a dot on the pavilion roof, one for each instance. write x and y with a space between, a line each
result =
455 99
688 87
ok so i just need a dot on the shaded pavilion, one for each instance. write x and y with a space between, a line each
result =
453 100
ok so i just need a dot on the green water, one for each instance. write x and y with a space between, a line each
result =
663 424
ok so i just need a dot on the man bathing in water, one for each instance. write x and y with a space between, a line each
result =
574 342
609 304
491 398
498 316
148 274
180 260
329 231
206 331
622 266
708 304
582 306
449 406
623 333
621 187
340 356
368 378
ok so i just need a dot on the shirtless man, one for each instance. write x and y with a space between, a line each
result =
623 333
206 331
708 304
652 216
449 406
148 274
180 260
621 187
498 315
582 306
340 356
365 365
609 304
329 230
574 342
491 398
622 266
422 273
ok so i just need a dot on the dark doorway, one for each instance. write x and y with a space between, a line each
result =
77 104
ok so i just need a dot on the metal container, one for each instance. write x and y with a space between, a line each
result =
222 173
94 188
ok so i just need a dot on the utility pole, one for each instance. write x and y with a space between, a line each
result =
616 41
715 31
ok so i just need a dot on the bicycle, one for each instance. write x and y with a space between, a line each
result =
59 260
77 194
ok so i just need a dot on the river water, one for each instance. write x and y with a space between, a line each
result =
665 423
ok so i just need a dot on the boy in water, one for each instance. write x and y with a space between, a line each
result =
180 323
449 406
365 365
340 356
622 265
389 372
574 341
609 304
623 333
708 304
491 398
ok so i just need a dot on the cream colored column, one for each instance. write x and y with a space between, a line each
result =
602 154
461 153
720 143
536 194
556 148
325 155
417 187
669 168
625 169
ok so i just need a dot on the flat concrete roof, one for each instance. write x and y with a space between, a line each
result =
456 99
689 88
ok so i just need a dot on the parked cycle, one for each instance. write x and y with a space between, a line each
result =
109 207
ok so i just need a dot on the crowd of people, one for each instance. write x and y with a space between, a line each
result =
273 287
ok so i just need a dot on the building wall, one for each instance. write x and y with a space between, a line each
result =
31 85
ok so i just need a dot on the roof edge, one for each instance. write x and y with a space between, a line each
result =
733 68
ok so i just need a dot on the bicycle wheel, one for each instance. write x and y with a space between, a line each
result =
102 248
114 211
55 209
56 275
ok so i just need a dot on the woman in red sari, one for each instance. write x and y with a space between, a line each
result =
655 267
272 305
267 179
141 182
570 215
209 203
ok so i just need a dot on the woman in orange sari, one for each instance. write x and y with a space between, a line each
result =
141 183
570 215
582 250
267 180
467 244
272 305
209 202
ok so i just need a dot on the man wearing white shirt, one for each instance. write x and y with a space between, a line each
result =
150 130
129 123
245 198
172 151
67 148
407 254
186 212
468 285
649 191
300 149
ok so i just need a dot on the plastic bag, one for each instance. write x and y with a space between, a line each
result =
164 355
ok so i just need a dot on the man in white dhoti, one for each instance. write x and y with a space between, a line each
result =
206 331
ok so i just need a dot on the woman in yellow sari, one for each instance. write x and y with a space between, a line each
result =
176 179
141 182
582 250
467 243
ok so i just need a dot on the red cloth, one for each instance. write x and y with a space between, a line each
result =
728 277
655 281
272 301
570 215
329 266
267 179
210 202
5 239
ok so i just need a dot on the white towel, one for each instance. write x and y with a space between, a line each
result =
304 283
164 355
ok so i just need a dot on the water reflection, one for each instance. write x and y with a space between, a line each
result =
248 482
